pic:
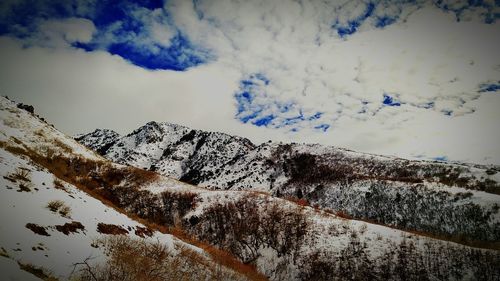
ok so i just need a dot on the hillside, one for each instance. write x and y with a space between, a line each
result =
456 201
237 234
51 227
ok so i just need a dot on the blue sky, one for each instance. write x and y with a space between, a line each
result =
407 78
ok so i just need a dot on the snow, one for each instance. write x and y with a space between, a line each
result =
168 184
12 272
58 251
35 134
221 161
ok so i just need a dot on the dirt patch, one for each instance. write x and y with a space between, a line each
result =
143 232
40 230
111 229
70 227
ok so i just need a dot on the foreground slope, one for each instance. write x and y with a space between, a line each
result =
53 225
282 239
50 225
455 201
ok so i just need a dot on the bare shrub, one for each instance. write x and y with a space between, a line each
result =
21 177
58 184
133 259
3 252
23 188
21 174
54 205
242 228
65 211
59 206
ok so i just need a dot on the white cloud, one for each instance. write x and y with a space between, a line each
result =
156 25
427 59
63 32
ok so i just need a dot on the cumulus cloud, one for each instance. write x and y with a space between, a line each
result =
428 61
410 78
64 32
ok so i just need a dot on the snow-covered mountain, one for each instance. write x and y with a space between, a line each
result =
202 234
222 161
171 149
446 199
51 225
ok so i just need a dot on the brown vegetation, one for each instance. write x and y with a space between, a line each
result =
70 227
58 184
143 231
131 259
242 228
59 206
21 177
100 179
301 202
37 271
343 214
222 257
40 230
111 229
21 174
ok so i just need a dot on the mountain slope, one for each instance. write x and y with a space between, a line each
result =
236 231
206 158
48 222
454 200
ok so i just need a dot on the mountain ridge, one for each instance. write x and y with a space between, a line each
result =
384 189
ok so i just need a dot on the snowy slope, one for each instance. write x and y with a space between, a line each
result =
11 271
27 188
57 252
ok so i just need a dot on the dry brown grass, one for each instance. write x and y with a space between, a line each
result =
21 174
134 259
301 202
143 232
58 184
112 229
343 214
54 205
60 207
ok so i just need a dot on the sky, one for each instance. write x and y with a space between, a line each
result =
414 79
